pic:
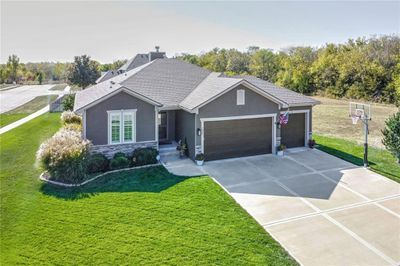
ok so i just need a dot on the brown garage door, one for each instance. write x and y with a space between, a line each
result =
237 138
293 133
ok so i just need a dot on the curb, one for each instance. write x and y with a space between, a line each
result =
44 179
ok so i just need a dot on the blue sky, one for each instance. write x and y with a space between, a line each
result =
56 31
300 22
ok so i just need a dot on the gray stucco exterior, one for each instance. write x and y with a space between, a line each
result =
225 105
185 128
171 125
181 124
96 118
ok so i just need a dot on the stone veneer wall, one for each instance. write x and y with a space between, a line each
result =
110 150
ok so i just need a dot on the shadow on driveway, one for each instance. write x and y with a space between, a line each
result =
298 174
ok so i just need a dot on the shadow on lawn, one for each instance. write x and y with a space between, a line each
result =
154 179
343 155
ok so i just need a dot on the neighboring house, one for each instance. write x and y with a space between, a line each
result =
167 100
138 60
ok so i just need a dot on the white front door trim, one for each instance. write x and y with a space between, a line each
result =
225 118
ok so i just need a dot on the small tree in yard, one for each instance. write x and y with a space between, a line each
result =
83 72
39 77
68 102
391 135
13 66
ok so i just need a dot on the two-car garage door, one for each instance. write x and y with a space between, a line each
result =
250 136
237 138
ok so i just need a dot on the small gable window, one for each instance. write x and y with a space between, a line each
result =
240 97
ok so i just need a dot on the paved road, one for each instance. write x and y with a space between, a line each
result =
11 99
323 210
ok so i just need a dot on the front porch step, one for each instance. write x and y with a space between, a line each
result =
168 151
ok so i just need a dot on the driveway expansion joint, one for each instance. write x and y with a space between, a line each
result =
276 193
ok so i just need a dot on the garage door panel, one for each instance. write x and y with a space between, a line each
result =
236 138
293 133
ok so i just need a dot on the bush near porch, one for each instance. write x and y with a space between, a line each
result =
66 156
145 216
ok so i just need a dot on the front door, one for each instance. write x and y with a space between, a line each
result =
162 126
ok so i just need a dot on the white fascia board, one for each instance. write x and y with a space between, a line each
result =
249 86
121 89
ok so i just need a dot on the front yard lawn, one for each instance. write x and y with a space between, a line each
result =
380 160
145 216
25 110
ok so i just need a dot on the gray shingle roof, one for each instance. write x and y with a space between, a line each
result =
210 87
167 81
100 90
288 96
107 75
138 60
172 82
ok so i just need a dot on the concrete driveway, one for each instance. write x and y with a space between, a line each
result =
323 210
11 99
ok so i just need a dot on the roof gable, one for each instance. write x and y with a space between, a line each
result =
216 85
291 98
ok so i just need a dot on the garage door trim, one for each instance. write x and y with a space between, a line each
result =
307 122
225 118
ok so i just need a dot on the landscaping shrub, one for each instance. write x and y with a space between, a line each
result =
119 163
119 154
64 156
144 156
391 135
74 127
69 117
68 102
199 157
97 163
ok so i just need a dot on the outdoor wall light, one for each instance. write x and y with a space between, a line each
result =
198 132
278 125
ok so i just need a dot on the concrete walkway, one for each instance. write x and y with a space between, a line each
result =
321 209
31 116
11 99
24 120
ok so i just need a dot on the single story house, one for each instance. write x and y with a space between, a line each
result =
165 100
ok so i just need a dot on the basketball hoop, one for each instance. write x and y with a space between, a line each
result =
354 119
361 111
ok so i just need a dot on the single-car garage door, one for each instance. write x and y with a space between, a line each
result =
293 133
237 138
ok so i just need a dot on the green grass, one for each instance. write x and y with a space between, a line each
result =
380 160
59 87
144 217
25 110
6 87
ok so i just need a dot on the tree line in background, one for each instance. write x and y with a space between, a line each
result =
363 68
49 72
366 69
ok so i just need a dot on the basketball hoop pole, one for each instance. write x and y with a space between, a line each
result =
361 111
365 120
